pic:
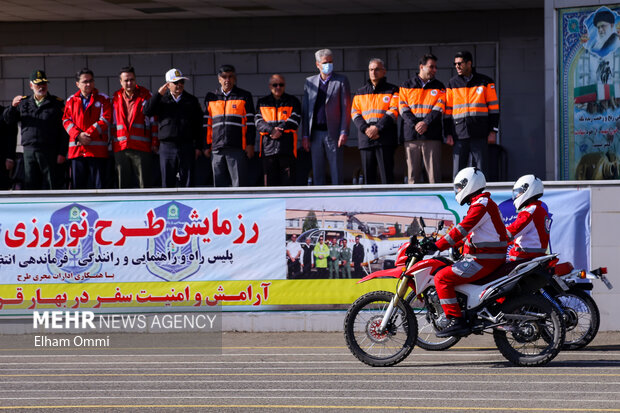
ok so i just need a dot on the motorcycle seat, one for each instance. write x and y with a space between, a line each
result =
502 271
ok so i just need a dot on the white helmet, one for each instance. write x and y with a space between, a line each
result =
467 182
527 188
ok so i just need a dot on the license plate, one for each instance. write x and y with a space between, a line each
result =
606 281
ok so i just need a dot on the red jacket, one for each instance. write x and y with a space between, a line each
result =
530 232
133 130
482 228
94 120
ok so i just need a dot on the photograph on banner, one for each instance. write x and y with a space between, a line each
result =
589 99
351 235
142 241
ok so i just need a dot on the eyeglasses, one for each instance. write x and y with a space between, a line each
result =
278 85
459 63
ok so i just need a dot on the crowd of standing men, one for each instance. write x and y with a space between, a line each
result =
330 258
135 127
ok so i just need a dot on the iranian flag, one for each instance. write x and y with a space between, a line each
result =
592 93
584 94
606 92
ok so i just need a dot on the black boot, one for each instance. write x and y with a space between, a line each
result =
456 327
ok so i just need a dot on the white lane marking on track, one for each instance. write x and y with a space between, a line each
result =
442 399
432 366
314 381
289 390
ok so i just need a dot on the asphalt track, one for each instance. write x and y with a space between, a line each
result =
311 372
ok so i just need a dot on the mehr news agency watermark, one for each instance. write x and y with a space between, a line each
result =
86 329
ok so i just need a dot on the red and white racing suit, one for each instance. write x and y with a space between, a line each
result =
530 232
484 251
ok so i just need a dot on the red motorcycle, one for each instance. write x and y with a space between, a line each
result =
381 327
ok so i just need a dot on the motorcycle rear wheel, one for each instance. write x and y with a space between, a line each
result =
427 339
361 330
582 318
530 342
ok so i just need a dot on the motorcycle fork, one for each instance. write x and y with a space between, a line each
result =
401 290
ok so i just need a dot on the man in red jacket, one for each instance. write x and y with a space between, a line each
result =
485 239
134 135
86 119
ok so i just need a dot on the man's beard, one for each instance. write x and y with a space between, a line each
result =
601 41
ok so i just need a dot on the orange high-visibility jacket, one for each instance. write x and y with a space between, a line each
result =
284 113
230 119
472 108
422 103
376 106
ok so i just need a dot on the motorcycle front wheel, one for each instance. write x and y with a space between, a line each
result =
427 338
582 318
534 332
362 330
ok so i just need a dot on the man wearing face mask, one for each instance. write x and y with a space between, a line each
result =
179 117
326 116
230 129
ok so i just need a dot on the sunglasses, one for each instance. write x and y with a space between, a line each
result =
459 63
179 82
278 85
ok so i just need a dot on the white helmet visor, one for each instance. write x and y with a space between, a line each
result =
458 187
517 192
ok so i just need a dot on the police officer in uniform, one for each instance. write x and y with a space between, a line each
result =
345 259
43 137
334 253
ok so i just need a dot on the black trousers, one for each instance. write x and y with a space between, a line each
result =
88 173
177 164
470 152
381 159
39 168
279 170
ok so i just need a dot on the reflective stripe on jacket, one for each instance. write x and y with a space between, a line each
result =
284 113
95 120
133 130
230 119
530 232
472 108
376 106
422 103
482 229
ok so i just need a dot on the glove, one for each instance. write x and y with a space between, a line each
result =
428 245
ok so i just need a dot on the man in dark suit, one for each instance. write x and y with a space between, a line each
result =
358 258
326 116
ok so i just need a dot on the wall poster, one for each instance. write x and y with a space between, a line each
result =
589 98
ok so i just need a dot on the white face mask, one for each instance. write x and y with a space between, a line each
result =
327 68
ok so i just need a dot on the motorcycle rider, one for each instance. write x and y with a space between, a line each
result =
530 231
485 241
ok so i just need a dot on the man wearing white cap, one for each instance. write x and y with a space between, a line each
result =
180 128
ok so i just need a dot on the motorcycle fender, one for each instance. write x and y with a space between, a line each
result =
388 273
587 286
435 264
